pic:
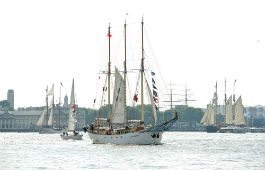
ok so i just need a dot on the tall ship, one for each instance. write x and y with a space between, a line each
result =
209 117
117 127
234 115
45 122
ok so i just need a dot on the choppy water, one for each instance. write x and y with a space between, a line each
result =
181 150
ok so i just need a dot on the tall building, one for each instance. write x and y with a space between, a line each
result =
65 104
10 99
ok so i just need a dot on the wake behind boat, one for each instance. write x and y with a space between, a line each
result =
117 128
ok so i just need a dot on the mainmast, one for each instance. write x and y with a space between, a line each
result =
142 73
125 68
215 102
225 104
109 72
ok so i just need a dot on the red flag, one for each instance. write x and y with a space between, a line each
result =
109 35
135 98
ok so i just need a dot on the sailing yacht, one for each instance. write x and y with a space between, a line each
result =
72 133
209 117
117 128
45 121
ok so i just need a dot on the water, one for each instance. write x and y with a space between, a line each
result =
181 150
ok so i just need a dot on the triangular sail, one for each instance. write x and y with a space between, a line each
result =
229 111
209 115
72 110
40 122
239 112
118 108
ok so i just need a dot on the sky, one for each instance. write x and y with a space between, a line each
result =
194 42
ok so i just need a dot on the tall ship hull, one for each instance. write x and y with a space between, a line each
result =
233 129
212 129
136 138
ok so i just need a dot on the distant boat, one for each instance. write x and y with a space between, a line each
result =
117 128
45 121
72 133
234 118
209 117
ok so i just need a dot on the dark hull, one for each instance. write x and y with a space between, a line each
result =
212 129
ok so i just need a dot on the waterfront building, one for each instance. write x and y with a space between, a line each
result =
25 119
10 99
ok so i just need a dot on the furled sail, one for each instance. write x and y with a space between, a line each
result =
239 112
118 108
72 111
229 111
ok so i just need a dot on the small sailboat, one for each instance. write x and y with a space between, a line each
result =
209 117
72 133
45 121
117 128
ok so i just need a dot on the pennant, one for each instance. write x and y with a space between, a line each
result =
61 84
155 93
152 73
109 35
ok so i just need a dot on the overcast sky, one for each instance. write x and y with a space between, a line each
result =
195 42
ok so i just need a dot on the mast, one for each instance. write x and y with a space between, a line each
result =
125 67
59 114
225 104
142 73
109 72
47 107
215 103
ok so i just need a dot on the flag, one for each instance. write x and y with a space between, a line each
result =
94 100
153 81
155 99
155 93
135 97
109 35
154 87
152 73
61 84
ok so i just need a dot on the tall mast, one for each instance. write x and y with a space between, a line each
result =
225 104
215 102
47 107
59 114
109 72
142 73
125 67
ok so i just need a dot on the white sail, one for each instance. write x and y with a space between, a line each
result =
209 115
205 116
51 92
118 108
40 122
72 111
154 115
229 111
50 121
239 112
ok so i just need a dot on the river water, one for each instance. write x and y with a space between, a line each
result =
180 150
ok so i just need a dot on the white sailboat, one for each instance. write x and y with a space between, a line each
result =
117 129
72 133
45 122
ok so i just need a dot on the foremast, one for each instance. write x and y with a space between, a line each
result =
142 73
